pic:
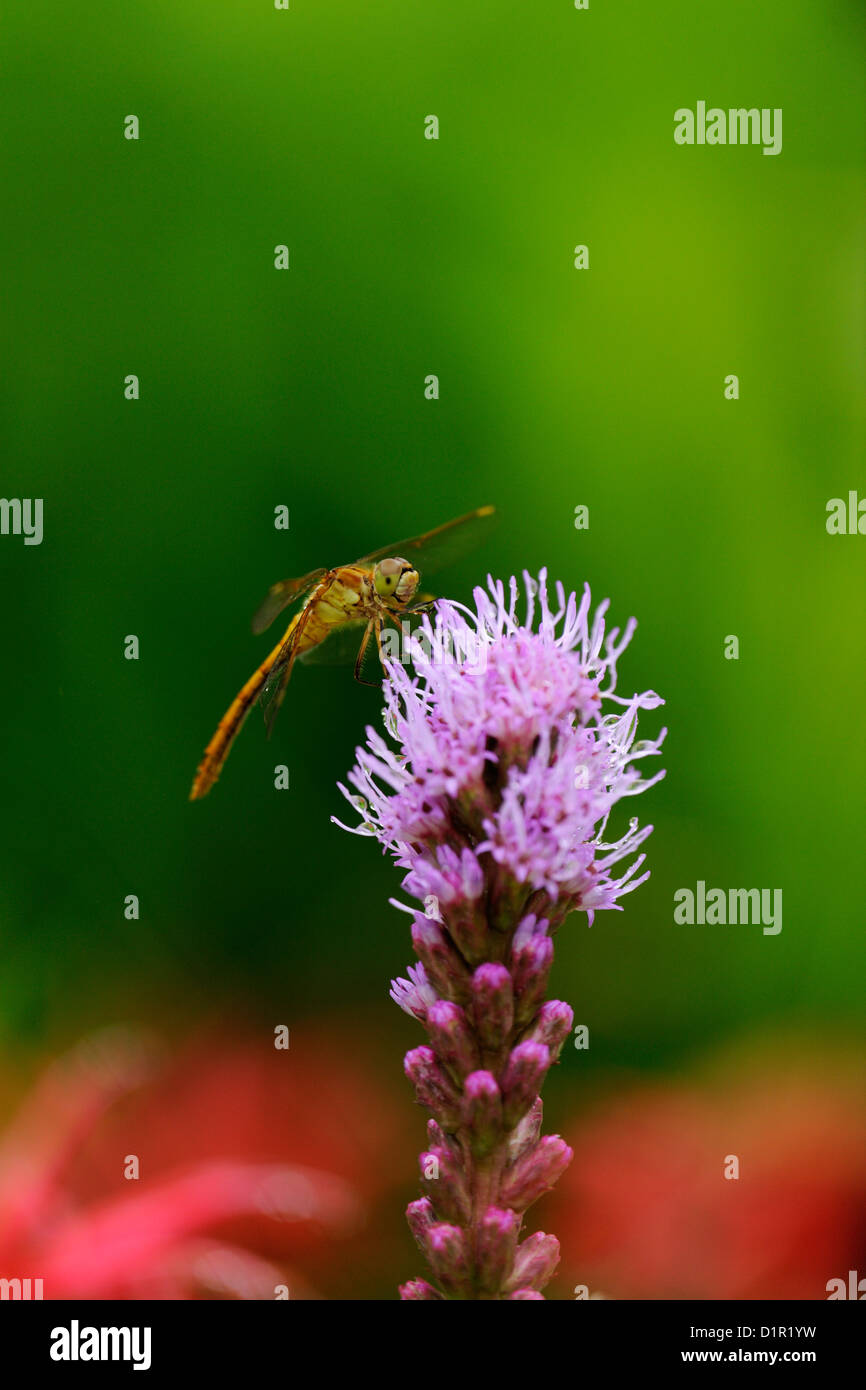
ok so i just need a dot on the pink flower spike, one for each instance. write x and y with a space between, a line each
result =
512 753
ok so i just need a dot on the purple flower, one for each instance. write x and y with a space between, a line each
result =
495 803
415 995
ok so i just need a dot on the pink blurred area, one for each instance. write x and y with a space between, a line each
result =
646 1212
258 1167
261 1167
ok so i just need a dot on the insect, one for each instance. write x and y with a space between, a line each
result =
349 604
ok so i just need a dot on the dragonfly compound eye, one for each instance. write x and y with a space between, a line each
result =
386 577
407 583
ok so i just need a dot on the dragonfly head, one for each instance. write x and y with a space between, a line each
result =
395 580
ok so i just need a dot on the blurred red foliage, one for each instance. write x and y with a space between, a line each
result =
645 1211
257 1167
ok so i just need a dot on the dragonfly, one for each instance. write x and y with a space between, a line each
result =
333 609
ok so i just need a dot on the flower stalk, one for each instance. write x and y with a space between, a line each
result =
495 803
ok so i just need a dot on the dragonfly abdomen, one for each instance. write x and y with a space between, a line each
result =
229 726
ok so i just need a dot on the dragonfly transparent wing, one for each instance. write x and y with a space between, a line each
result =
274 688
443 546
343 646
340 647
272 694
281 595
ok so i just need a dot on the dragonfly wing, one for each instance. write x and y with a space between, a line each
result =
274 688
340 647
443 546
273 693
281 595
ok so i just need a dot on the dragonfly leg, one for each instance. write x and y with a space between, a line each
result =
359 661
401 626
379 635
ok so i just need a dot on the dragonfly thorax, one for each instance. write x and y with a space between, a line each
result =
395 579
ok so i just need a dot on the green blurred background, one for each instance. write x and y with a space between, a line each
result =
306 388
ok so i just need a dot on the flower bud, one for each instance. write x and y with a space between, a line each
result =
535 1262
470 931
420 1217
495 1245
418 1289
530 967
524 1073
526 1134
452 1038
492 1004
437 1138
446 1251
482 1110
528 927
536 1172
445 969
552 1026
432 1086
443 1181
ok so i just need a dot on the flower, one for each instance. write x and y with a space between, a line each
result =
496 803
